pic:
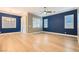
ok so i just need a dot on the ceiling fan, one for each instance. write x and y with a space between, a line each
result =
46 11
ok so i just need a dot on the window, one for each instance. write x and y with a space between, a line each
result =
69 21
45 23
8 22
34 22
37 22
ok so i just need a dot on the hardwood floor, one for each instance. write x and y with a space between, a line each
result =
19 42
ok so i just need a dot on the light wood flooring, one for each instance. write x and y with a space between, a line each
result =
41 42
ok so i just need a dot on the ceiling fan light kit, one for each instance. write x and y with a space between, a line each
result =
46 11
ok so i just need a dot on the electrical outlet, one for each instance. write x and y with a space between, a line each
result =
65 32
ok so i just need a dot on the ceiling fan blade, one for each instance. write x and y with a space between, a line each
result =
49 11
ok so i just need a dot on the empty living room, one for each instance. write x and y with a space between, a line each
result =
39 29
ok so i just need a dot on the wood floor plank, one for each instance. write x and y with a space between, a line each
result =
41 42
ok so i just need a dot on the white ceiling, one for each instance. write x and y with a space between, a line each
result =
38 10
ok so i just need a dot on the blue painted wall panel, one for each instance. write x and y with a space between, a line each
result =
18 23
56 23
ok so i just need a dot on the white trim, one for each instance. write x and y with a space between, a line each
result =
42 32
78 25
36 32
9 33
60 34
55 33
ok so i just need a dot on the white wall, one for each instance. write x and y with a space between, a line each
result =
23 24
78 24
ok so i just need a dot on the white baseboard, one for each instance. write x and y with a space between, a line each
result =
8 33
54 33
35 32
60 34
43 32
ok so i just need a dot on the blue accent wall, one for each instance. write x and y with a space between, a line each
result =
56 23
18 23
